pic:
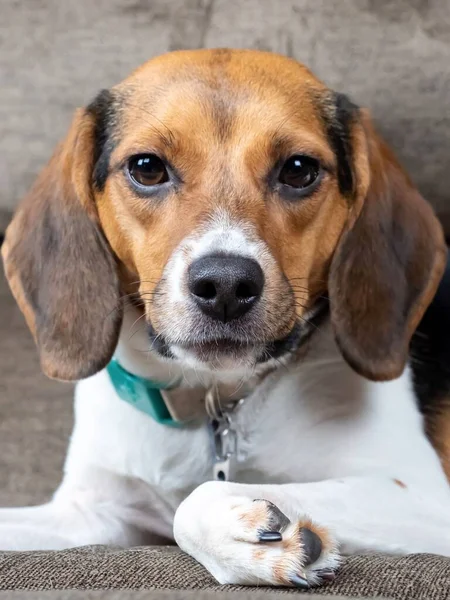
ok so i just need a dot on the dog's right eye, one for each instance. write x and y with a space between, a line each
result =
147 170
299 172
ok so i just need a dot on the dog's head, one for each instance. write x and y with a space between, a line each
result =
228 191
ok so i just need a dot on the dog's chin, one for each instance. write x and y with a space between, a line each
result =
219 355
224 354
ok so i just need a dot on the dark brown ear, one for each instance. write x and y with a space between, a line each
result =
389 261
59 265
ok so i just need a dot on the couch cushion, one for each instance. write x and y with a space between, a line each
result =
418 577
261 594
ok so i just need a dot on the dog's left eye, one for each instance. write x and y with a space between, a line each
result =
299 172
147 170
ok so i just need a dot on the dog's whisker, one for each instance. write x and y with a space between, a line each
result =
137 330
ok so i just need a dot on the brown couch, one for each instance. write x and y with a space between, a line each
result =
167 568
391 55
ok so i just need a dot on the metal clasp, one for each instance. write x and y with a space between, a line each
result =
224 435
225 448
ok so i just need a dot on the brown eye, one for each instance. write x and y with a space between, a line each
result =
299 172
147 170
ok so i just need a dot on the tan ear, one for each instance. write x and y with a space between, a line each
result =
388 264
59 265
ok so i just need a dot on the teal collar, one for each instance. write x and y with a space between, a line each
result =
172 405
144 394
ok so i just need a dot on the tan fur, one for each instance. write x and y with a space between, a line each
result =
290 544
400 484
256 518
259 554
283 567
438 430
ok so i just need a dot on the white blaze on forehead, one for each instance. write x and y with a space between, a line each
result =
220 235
223 235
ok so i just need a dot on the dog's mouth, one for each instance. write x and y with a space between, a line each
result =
228 349
223 352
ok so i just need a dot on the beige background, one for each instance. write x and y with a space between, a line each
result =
391 55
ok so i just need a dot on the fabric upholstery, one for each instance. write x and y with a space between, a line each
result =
420 577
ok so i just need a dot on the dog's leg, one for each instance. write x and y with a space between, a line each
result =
105 508
57 525
46 527
289 534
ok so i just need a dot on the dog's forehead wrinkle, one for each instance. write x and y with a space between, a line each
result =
223 97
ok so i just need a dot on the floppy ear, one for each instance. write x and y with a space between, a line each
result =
59 266
388 263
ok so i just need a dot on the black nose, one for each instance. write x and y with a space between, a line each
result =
225 287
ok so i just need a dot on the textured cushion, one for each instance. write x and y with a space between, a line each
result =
145 595
418 577
142 595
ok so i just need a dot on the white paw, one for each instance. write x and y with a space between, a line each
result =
251 542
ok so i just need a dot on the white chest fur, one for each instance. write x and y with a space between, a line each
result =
352 453
313 421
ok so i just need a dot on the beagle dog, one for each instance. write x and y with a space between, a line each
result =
231 263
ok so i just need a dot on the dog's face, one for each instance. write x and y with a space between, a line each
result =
220 196
228 193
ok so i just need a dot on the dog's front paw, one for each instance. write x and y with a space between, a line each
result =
251 542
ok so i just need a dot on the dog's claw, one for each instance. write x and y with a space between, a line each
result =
326 575
312 545
300 582
270 536
278 521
